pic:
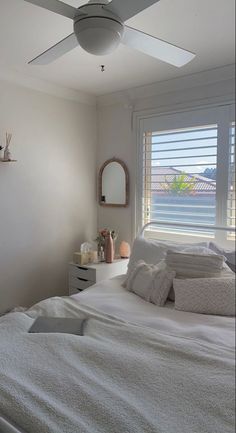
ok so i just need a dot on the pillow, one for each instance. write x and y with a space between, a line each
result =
206 295
153 251
151 282
194 265
229 254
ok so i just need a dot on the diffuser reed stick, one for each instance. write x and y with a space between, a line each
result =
7 153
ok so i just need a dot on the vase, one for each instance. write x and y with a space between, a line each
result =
109 249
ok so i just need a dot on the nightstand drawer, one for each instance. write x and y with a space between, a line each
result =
74 291
79 283
88 274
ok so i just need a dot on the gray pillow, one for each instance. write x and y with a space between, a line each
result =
229 254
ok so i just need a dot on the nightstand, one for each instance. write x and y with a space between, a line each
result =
82 277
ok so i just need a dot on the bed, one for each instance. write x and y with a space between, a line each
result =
138 368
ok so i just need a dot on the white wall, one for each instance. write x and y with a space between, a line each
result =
48 198
118 114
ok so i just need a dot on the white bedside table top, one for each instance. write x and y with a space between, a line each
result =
101 265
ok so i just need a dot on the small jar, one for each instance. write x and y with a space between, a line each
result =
101 256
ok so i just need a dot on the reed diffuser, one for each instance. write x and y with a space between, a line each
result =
7 153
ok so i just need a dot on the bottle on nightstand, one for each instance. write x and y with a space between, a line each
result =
109 248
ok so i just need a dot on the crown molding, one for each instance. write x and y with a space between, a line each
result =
127 98
131 96
24 80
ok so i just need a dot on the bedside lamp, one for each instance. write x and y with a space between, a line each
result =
124 250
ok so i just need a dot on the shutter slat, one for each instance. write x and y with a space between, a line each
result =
183 148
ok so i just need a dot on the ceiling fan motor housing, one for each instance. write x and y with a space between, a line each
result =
99 32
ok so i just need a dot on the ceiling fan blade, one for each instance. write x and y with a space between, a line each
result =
126 9
157 48
58 50
56 6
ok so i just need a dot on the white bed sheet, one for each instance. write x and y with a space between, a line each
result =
110 297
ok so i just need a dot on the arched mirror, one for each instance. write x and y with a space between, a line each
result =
114 184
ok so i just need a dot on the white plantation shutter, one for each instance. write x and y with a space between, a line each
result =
231 186
183 170
175 187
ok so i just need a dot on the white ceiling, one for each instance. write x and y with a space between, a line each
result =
205 27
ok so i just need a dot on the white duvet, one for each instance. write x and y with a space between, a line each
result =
151 370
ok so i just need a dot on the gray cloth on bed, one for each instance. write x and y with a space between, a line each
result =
229 254
117 378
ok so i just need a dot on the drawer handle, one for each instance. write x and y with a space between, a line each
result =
81 279
82 269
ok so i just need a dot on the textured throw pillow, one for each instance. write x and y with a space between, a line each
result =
206 295
151 282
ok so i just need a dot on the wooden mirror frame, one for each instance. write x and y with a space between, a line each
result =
123 165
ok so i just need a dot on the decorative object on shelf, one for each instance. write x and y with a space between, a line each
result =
109 248
1 152
7 153
101 242
124 250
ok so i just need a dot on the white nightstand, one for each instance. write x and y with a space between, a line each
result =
82 277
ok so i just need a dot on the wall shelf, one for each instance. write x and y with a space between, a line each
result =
6 160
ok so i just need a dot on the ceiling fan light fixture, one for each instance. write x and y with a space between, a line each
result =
98 35
99 28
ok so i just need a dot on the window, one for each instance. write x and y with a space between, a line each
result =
231 187
188 170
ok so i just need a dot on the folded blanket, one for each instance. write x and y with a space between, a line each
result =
195 265
194 272
214 261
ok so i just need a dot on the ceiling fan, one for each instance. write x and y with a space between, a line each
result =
99 28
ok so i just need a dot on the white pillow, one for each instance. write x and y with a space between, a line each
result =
206 295
153 251
151 282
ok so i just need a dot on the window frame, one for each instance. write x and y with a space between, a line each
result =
222 115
